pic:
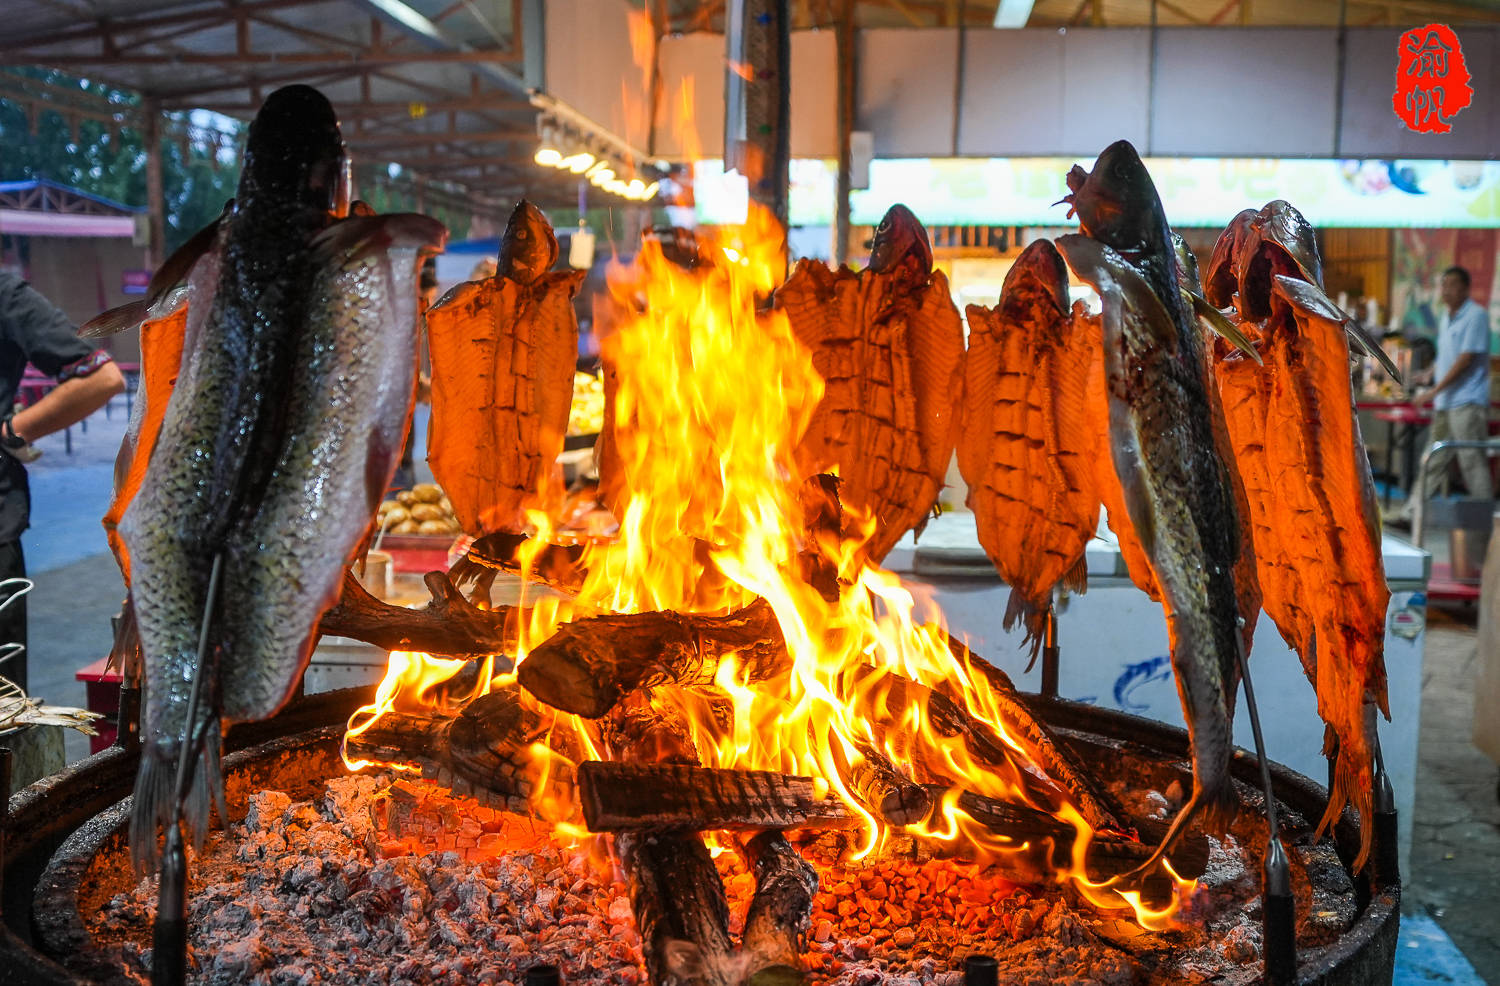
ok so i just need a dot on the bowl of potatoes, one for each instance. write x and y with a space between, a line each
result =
422 512
586 414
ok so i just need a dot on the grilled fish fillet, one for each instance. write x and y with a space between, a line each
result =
503 354
888 343
1028 445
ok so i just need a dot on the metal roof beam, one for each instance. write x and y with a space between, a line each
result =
210 16
414 24
440 137
241 59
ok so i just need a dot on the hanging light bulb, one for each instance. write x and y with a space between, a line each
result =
636 189
547 153
548 156
595 168
602 178
580 162
650 191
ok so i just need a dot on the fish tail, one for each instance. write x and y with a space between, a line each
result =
1353 786
1216 805
155 789
1031 616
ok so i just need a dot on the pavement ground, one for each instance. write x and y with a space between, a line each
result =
1451 921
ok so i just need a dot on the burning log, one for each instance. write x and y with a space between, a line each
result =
449 625
485 752
776 924
680 908
623 797
554 565
881 788
588 665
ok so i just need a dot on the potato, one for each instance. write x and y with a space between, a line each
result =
446 505
433 527
406 498
394 516
426 511
426 493
407 526
388 505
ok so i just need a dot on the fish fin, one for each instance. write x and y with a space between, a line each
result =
125 652
1372 347
1077 577
1032 617
155 789
1310 300
358 234
1216 320
1118 284
360 208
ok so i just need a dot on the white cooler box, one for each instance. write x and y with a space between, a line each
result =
1113 648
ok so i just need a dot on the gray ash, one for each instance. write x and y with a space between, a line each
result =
382 880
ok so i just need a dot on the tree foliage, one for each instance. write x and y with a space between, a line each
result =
199 172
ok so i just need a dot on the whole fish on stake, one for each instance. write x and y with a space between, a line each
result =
1028 444
1312 498
503 354
1178 490
888 343
283 429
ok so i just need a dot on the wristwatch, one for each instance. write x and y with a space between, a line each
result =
14 445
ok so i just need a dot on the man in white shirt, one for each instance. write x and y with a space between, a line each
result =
1461 396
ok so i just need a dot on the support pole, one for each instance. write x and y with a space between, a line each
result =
847 74
156 199
1050 653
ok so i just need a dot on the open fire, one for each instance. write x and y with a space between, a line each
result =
710 396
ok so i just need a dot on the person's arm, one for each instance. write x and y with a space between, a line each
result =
68 403
1464 364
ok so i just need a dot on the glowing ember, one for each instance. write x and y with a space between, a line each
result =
710 399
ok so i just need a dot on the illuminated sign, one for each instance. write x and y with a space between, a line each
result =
1195 191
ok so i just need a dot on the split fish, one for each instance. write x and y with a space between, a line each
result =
503 354
281 433
1028 443
888 343
1312 498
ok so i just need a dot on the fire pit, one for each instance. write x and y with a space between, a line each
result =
85 931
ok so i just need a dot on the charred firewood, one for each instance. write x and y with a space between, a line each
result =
880 787
680 909
553 565
619 797
449 625
776 924
587 666
487 752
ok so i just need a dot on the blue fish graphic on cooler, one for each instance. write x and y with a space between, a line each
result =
1138 674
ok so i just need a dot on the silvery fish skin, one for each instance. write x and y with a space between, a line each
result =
228 467
1177 494
354 378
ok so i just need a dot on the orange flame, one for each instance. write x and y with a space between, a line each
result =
713 396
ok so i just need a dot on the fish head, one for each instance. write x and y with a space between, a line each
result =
294 153
901 241
1284 228
1117 204
1221 279
528 249
1036 287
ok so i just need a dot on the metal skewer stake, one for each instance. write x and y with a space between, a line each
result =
169 933
1387 849
1278 907
1050 653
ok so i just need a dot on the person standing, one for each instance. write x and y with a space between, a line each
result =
1460 397
33 330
